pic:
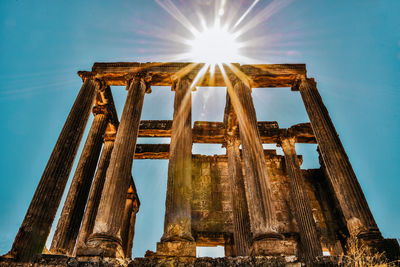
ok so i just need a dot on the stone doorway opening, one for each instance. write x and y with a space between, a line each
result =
213 252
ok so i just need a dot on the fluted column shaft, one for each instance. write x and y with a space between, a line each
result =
303 213
95 195
341 175
177 225
131 233
126 219
240 210
32 235
262 212
71 216
106 239
241 220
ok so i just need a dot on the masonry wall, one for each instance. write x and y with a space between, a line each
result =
212 220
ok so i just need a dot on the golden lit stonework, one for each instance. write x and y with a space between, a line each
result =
251 201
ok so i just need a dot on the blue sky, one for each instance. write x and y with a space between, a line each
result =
351 48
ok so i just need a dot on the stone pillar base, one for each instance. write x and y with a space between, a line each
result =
371 234
101 247
274 247
176 249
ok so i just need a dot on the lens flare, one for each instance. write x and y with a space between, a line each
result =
214 45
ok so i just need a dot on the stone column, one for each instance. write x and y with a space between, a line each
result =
71 216
241 219
229 247
360 221
32 235
177 238
95 195
262 210
106 240
303 213
131 233
126 219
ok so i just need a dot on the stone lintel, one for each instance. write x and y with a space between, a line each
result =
207 239
214 132
161 151
260 75
152 151
155 128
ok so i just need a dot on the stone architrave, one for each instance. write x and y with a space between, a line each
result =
303 213
354 206
177 224
262 210
35 228
95 195
106 237
71 216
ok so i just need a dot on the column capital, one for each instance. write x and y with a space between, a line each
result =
100 109
131 193
231 140
235 79
301 79
86 75
101 82
310 81
142 76
189 78
109 137
288 144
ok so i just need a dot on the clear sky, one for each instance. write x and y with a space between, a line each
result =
351 48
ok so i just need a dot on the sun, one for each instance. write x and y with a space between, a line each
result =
214 46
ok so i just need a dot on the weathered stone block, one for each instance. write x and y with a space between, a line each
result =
274 247
176 249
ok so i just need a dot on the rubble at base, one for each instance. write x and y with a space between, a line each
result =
64 261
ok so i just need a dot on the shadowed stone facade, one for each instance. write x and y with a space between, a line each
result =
262 207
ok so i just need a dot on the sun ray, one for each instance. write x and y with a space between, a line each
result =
264 15
243 77
243 120
187 97
185 70
217 40
247 131
200 76
245 13
174 11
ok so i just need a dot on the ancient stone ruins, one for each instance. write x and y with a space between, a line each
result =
259 205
